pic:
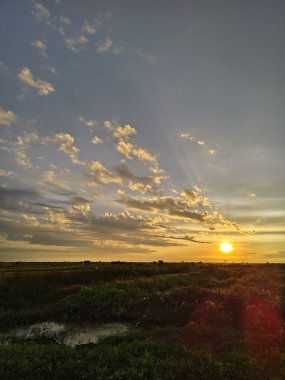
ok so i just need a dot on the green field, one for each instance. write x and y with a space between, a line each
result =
190 321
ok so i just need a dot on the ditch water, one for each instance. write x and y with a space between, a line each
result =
68 334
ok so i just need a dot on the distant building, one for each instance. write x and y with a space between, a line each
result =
160 262
86 262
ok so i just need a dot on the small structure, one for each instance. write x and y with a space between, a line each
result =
160 262
86 262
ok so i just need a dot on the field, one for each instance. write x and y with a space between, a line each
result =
189 320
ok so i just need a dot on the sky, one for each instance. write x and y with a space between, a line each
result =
142 130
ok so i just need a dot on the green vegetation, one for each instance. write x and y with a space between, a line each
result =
192 321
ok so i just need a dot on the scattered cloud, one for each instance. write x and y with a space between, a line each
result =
156 169
26 139
65 20
88 28
7 117
44 88
100 175
172 206
108 125
40 46
143 184
41 13
5 173
76 43
51 69
54 178
193 195
21 146
66 145
105 46
22 159
69 220
123 133
96 140
202 143
129 150
185 237
88 122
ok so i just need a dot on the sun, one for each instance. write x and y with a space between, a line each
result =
226 247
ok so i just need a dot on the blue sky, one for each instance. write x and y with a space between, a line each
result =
142 130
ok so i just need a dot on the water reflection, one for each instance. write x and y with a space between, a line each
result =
68 334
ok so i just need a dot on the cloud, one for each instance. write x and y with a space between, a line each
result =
76 43
43 87
124 147
186 237
41 13
71 220
7 117
88 28
22 159
80 210
65 20
143 184
51 69
156 169
167 204
26 139
202 143
128 150
193 196
66 145
105 46
78 226
88 122
124 133
96 140
12 199
108 125
186 136
20 147
53 178
216 219
109 221
5 173
41 46
100 175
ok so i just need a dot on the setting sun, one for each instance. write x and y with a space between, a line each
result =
226 247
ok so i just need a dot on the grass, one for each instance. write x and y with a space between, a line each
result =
192 321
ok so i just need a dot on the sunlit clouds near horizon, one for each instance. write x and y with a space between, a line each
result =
123 138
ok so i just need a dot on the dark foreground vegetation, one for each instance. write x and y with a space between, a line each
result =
191 321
